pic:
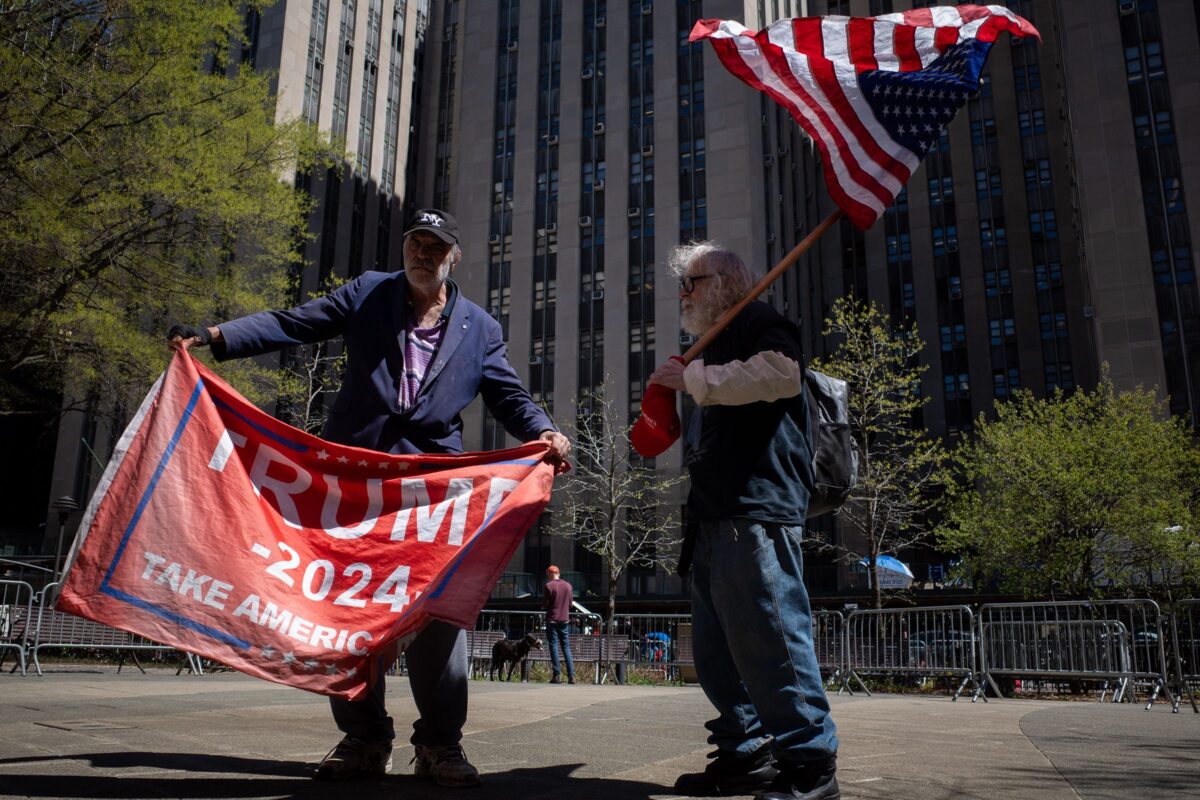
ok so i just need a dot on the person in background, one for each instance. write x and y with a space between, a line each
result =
556 599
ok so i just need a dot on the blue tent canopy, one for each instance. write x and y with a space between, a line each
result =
891 564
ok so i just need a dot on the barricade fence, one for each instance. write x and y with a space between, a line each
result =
1122 644
16 620
918 642
1116 642
658 645
56 629
1184 658
829 643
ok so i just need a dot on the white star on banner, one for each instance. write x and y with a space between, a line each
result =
362 463
343 460
311 663
268 651
331 669
322 455
289 657
350 673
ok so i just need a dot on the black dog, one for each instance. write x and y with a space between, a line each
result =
514 652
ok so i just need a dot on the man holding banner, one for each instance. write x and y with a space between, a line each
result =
417 354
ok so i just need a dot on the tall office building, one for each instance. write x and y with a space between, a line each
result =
588 138
578 142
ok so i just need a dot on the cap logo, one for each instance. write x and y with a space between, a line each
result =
431 219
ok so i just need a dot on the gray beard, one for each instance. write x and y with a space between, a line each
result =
698 321
443 272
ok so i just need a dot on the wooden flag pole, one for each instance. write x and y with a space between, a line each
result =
761 286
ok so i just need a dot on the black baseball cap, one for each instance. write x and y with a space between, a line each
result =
439 223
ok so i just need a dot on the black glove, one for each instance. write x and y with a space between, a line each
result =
189 331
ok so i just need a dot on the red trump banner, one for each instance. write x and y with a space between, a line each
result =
220 530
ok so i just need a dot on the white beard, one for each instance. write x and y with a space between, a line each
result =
698 319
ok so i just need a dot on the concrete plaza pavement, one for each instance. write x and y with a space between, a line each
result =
97 734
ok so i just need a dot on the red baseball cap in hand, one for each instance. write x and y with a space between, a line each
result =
658 427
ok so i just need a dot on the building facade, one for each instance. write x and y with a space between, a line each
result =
578 142
607 139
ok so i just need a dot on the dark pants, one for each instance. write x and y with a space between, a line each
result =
437 674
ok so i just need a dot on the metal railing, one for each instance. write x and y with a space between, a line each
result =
1184 660
829 642
56 629
925 642
1117 642
16 619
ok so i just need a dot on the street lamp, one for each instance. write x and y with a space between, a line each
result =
64 505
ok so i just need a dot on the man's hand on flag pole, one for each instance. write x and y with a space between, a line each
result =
669 375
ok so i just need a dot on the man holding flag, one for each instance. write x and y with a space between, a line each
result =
418 354
874 95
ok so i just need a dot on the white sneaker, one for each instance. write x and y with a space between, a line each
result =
355 758
448 766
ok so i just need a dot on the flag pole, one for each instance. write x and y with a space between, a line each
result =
787 261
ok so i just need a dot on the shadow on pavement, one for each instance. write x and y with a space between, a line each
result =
207 776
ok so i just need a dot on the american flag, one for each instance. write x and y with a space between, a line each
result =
873 92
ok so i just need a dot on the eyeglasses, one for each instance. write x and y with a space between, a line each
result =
687 284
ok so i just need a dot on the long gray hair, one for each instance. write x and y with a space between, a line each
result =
734 279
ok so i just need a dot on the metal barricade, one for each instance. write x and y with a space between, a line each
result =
829 643
653 642
16 619
1184 659
928 642
57 629
1114 641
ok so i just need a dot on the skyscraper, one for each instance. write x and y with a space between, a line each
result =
578 142
589 138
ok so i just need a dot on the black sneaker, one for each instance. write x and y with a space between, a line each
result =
728 774
815 780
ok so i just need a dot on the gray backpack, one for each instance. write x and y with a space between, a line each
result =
835 454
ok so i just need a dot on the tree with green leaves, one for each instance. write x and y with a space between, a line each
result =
1077 496
144 180
612 505
898 462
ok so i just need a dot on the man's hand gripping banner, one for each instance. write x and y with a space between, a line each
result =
220 530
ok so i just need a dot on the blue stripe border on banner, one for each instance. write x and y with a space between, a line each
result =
146 605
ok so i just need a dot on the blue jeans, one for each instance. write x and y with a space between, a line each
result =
556 633
437 675
753 642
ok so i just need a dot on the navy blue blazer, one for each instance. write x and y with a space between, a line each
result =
371 313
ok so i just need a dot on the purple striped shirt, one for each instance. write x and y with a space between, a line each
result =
420 345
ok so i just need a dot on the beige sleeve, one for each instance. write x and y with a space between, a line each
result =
763 377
